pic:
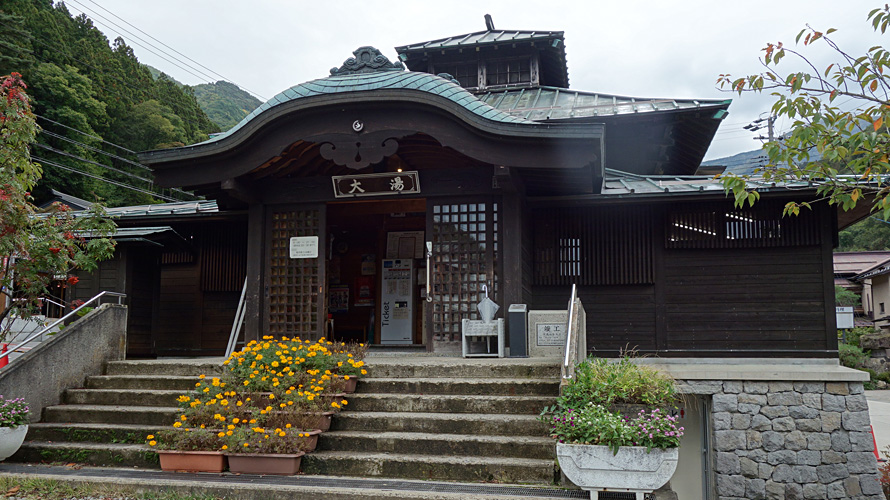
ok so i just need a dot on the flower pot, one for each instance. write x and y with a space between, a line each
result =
255 463
632 469
324 421
192 461
311 439
11 439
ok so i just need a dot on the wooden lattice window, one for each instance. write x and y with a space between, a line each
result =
508 72
720 225
465 257
466 74
293 283
594 246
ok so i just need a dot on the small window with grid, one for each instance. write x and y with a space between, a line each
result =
465 73
508 72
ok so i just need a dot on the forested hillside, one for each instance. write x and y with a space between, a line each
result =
225 103
96 103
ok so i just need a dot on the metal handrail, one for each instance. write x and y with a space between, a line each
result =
570 352
120 297
239 320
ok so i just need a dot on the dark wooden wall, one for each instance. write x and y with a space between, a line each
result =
693 278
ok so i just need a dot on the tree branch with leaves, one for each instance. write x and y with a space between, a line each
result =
37 247
841 150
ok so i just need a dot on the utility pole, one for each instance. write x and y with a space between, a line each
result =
758 124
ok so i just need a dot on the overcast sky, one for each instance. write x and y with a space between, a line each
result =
643 49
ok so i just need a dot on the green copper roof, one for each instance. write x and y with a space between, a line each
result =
553 103
382 80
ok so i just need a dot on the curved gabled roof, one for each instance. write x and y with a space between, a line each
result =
383 80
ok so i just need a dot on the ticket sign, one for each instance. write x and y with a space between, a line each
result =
304 247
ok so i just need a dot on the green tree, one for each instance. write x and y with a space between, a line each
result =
852 146
36 248
15 44
866 235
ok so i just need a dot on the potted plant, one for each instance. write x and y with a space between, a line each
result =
13 425
599 446
260 450
189 449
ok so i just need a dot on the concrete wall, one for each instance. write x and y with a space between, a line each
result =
880 293
65 360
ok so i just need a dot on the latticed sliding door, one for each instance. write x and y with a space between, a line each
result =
465 257
294 286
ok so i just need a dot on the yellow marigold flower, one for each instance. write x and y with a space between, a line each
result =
228 433
252 421
198 384
152 443
239 403
230 426
202 376
275 364
177 424
225 447
150 436
183 418
221 434
288 426
345 377
364 372
271 396
236 420
246 445
206 389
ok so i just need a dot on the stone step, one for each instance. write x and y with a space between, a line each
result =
466 386
449 403
102 454
182 383
91 433
212 367
443 423
404 466
119 397
511 368
159 417
472 445
150 483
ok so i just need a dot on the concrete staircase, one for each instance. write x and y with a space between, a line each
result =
415 417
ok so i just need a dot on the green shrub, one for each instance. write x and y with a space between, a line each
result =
851 356
605 382
853 335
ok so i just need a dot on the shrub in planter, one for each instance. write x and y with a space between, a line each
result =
600 449
13 425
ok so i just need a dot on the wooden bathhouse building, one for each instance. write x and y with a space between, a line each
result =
384 201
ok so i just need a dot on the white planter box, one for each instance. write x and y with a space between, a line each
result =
11 440
632 470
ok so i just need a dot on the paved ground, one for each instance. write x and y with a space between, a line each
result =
879 409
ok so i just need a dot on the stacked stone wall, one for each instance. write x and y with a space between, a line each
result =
790 440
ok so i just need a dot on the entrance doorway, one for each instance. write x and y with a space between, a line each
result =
375 271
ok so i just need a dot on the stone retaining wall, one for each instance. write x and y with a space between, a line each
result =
790 440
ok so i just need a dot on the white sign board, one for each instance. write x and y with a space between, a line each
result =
304 247
844 317
551 334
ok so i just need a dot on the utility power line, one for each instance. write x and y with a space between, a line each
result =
140 42
86 134
95 150
176 51
85 160
120 184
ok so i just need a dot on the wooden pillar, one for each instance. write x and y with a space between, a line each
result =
511 237
256 268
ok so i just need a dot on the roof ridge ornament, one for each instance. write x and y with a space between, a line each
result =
367 60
